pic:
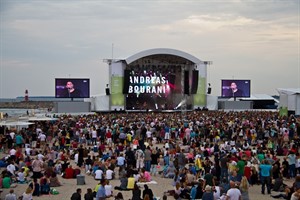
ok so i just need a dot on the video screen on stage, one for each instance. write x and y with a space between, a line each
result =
72 88
152 89
235 88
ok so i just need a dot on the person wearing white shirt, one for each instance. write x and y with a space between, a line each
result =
28 150
94 136
217 192
12 152
76 158
109 174
21 176
233 193
149 134
12 135
108 189
11 168
40 156
42 137
38 130
98 174
11 195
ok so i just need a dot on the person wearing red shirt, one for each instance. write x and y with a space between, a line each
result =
247 171
69 173
108 137
248 153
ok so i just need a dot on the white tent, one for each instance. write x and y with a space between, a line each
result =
100 103
290 98
42 119
15 123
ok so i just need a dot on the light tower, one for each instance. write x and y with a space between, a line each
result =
26 95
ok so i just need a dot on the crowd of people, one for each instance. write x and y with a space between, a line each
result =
205 154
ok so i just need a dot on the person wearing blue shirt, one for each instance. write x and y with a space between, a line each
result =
265 172
167 132
19 140
95 168
121 160
193 191
100 195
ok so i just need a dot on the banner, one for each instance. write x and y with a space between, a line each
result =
200 96
117 96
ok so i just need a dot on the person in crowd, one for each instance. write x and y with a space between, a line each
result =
69 173
148 191
53 180
37 167
108 189
44 185
27 195
265 172
119 196
89 194
131 182
6 181
35 186
21 176
11 195
98 174
145 176
109 174
76 195
170 170
136 193
100 195
208 194
244 188
234 193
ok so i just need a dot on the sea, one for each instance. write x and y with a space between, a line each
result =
17 112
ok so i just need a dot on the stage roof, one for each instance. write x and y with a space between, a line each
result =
162 51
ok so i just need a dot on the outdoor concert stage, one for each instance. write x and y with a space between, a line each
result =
157 80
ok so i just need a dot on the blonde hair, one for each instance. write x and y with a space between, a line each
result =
244 184
28 190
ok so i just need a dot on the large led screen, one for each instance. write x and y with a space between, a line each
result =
72 88
152 89
235 88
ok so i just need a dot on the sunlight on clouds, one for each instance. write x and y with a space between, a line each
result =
204 23
233 27
210 22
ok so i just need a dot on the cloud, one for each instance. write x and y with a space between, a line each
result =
57 38
16 64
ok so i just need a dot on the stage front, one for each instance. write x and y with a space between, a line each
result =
158 80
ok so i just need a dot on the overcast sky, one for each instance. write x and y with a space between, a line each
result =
245 39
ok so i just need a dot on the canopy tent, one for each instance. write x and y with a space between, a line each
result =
37 117
15 123
42 119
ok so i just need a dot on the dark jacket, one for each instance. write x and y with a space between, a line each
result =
76 196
